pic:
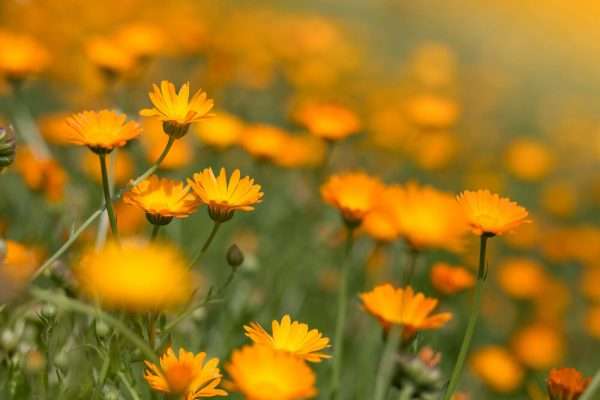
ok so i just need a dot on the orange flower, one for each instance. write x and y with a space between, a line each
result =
429 111
263 141
449 280
398 306
528 159
566 384
54 128
538 346
521 278
21 56
19 262
109 56
497 368
489 214
300 151
187 376
354 194
44 175
120 167
102 131
221 131
290 336
327 121
140 39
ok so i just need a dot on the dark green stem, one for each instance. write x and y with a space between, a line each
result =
207 243
108 197
154 235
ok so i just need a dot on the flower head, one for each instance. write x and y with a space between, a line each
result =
301 151
187 376
162 199
497 368
401 306
135 276
264 142
449 280
109 56
566 384
291 336
327 121
263 373
222 197
489 214
140 39
538 346
41 174
102 131
221 131
176 109
21 56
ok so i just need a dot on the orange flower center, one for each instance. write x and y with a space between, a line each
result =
179 377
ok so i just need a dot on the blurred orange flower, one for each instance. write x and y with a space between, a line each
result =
44 175
528 159
566 384
109 56
221 131
538 346
326 120
300 151
497 368
22 56
263 141
431 111
450 280
521 278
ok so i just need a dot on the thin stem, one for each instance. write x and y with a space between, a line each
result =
466 343
386 365
207 243
342 305
154 166
406 393
409 271
108 198
593 387
154 235
127 384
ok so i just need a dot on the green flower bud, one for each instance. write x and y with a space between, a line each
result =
8 146
235 257
426 380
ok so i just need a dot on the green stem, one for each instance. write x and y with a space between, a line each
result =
108 197
154 166
128 385
386 365
342 305
466 343
406 393
593 387
207 243
154 235
409 271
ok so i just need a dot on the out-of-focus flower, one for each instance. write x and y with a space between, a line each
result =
592 321
538 346
175 109
528 159
263 373
264 142
44 175
559 198
291 336
497 368
120 167
221 131
102 131
434 150
154 141
8 147
187 376
54 128
552 301
590 284
22 56
135 276
432 112
521 278
354 194
420 372
489 214
19 262
140 39
402 306
109 56
379 222
566 384
162 199
328 121
450 280
224 198
433 64
301 151
130 219
529 236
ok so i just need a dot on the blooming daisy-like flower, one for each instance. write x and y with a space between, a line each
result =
291 336
176 109
162 199
21 56
224 198
187 376
263 373
566 384
489 214
135 276
327 121
402 306
354 194
449 280
101 131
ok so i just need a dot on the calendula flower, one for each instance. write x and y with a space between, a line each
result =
102 131
291 336
224 198
497 368
175 109
188 376
222 131
449 280
327 121
489 214
301 151
521 278
354 194
402 306
162 199
538 346
263 373
22 56
135 276
528 159
19 262
45 175
566 384
262 141
109 56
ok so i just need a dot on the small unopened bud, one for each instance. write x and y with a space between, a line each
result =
8 146
9 339
235 257
102 329
49 310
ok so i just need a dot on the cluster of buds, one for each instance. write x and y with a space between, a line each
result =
419 374
8 146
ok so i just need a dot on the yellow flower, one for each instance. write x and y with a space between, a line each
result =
566 384
538 346
489 214
140 39
176 109
102 131
187 376
300 151
135 276
108 56
221 131
120 168
432 112
327 121
401 306
528 159
162 199
223 198
497 368
521 278
449 280
263 373
21 56
354 194
263 141
291 336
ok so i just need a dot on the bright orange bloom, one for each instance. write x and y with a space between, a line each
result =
44 175
17 261
221 131
301 151
21 56
566 384
521 278
449 280
528 159
187 376
222 197
291 336
539 346
489 214
140 39
429 111
497 368
354 194
102 130
263 141
54 128
263 373
109 56
327 121
401 306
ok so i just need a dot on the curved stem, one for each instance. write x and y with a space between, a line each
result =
207 243
386 365
108 198
593 387
154 166
466 343
128 386
154 235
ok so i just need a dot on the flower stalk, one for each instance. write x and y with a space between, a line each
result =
206 244
108 197
386 365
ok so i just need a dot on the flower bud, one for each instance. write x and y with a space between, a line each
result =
102 329
235 257
8 146
420 373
